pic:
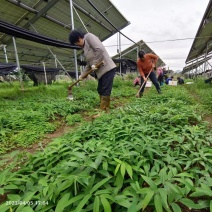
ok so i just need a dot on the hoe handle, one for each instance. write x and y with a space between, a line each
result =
89 71
143 84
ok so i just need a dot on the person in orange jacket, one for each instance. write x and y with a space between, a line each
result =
145 64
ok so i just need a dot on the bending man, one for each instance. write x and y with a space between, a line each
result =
146 64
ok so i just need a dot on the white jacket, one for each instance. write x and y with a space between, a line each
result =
95 52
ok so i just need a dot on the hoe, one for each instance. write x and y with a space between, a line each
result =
70 96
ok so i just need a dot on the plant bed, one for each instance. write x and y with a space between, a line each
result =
150 154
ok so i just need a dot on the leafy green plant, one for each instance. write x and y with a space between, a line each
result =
72 119
153 154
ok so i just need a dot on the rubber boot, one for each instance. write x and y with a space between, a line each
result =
104 106
105 103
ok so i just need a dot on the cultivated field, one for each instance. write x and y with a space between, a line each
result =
148 154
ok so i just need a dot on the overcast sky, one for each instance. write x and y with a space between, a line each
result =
160 20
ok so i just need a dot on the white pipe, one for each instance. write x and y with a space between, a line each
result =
55 60
205 57
81 65
5 53
80 19
44 69
120 51
17 62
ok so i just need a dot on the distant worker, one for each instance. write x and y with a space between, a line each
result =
145 64
169 79
180 81
137 81
160 75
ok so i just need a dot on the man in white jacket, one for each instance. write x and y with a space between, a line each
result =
95 52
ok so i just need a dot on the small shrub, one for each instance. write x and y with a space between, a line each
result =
73 118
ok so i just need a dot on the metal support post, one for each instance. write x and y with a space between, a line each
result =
18 64
75 51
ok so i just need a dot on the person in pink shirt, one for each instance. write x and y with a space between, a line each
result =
137 81
160 75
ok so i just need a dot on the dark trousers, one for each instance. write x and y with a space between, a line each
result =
105 83
154 80
160 80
